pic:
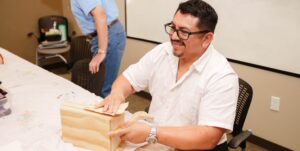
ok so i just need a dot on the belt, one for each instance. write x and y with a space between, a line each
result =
94 34
113 23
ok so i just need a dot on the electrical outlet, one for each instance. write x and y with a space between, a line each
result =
275 103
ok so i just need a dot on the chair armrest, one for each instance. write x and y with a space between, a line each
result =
238 139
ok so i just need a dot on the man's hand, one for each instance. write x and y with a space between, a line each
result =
95 62
135 133
132 130
112 102
121 88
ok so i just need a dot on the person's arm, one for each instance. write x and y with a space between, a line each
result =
184 138
190 137
121 89
100 20
1 59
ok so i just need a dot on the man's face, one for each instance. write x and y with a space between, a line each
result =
191 46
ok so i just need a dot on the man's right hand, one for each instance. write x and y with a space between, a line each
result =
120 90
111 103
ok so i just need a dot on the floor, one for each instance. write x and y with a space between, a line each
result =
137 103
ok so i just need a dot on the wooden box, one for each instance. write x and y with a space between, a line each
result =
88 129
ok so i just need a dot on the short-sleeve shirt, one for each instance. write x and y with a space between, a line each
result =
81 10
205 95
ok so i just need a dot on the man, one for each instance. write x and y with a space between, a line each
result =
194 90
98 19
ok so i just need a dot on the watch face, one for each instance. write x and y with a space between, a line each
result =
151 139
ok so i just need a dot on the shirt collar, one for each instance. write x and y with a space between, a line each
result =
200 63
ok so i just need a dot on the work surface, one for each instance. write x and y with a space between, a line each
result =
35 96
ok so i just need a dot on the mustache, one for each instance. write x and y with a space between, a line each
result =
180 42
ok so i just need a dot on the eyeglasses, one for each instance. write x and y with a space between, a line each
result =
183 35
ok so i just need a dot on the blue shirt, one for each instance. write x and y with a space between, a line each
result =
81 10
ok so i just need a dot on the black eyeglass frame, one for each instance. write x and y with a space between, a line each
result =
188 33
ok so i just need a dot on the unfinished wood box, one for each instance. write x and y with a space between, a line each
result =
88 129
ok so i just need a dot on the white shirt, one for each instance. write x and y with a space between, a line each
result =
205 95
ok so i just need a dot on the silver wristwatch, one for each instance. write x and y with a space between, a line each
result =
152 139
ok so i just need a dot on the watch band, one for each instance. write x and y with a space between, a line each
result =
152 139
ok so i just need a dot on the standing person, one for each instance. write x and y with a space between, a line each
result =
98 19
194 89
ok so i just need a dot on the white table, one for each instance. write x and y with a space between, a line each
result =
35 95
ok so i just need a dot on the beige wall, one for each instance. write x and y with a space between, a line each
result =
18 17
279 127
67 12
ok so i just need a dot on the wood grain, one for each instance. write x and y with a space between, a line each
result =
88 129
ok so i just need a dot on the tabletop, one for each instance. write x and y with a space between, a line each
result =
35 96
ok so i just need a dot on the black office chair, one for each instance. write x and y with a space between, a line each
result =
82 76
46 23
52 45
243 105
80 49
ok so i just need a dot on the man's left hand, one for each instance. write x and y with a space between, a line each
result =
135 133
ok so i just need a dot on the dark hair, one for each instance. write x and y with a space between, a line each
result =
207 16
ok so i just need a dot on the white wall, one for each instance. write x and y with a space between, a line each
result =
261 32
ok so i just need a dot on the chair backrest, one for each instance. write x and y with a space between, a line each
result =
243 104
46 22
82 76
80 49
